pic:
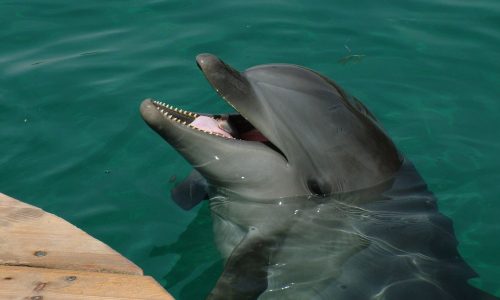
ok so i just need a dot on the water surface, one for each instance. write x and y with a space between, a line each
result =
72 76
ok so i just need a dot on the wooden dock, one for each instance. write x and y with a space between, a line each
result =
43 257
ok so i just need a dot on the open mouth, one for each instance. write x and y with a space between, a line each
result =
232 126
223 128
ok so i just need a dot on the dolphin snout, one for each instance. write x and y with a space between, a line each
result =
150 114
206 60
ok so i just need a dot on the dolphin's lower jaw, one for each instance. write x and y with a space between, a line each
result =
220 129
232 126
180 116
223 160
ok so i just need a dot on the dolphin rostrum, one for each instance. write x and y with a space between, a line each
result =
310 198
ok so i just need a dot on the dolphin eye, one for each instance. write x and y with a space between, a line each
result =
316 188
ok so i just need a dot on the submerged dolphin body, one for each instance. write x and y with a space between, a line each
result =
310 198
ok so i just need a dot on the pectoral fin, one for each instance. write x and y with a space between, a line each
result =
245 272
190 191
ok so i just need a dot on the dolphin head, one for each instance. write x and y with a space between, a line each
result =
296 133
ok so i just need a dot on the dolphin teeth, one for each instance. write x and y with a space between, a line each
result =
184 123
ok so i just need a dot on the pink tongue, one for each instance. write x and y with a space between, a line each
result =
209 124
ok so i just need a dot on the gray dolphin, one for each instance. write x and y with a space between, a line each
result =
310 198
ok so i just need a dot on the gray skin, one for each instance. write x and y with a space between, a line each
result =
327 208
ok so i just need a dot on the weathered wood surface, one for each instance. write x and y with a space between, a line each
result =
31 237
41 253
51 284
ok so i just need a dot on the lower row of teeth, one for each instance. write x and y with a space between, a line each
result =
171 117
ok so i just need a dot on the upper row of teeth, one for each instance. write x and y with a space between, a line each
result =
185 112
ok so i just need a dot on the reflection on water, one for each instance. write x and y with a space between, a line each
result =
194 247
386 242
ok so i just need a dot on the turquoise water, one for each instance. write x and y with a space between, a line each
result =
72 77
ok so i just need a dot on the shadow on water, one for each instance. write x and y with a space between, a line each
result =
195 248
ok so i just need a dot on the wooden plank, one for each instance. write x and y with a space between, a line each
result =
32 237
24 283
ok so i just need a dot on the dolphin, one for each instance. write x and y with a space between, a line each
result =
310 198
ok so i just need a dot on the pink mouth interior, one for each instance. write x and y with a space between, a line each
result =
211 125
253 135
220 127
